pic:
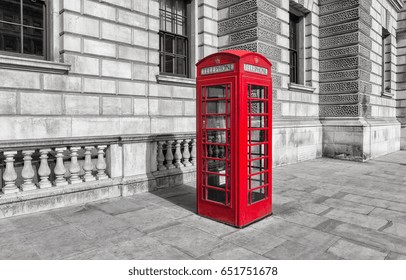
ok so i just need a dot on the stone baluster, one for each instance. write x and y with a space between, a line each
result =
178 154
186 153
10 175
28 172
44 171
193 152
209 150
161 157
60 168
101 163
74 167
88 165
169 155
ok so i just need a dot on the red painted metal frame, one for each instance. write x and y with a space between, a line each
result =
239 211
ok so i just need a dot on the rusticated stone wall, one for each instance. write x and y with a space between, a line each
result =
358 115
263 26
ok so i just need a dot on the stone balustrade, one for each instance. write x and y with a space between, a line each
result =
176 154
30 169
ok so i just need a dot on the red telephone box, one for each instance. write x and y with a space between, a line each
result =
234 137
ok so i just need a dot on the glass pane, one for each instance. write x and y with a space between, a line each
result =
168 64
216 195
258 136
33 13
216 122
259 180
258 92
181 66
257 151
169 40
217 151
218 166
10 11
216 107
180 46
257 121
259 194
10 38
169 5
168 23
33 41
216 136
258 107
181 8
258 166
216 92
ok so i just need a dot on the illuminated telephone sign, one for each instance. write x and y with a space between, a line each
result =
234 137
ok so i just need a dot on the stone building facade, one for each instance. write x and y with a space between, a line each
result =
102 102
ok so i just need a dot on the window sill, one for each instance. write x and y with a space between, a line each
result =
173 80
34 65
387 94
299 87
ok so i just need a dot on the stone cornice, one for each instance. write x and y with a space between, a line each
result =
397 4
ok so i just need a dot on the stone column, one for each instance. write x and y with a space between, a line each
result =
10 175
28 173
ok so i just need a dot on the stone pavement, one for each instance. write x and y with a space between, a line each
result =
323 209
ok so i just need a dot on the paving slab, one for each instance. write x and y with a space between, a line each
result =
255 240
352 251
230 251
193 241
356 219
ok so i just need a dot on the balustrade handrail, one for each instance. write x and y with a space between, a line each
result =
10 145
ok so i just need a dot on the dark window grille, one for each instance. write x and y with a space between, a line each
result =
293 47
23 28
173 40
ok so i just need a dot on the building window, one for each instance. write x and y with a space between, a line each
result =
23 28
173 39
386 61
296 47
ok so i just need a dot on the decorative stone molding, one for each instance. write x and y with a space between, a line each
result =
267 7
342 5
269 23
33 65
397 4
345 87
243 36
172 80
303 88
339 99
238 23
346 39
225 3
253 47
266 35
242 8
271 52
346 63
345 75
339 111
340 17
